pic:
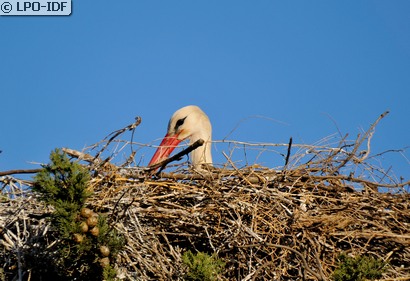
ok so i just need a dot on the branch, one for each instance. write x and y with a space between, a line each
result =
86 157
80 155
20 171
117 133
288 153
368 135
176 157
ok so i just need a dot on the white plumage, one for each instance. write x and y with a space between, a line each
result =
189 122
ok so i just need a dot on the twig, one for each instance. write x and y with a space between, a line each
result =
319 264
368 135
176 157
117 133
20 171
114 211
237 170
85 157
357 180
80 155
288 153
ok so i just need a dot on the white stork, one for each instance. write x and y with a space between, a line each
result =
189 122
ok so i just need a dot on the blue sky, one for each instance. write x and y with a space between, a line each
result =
308 68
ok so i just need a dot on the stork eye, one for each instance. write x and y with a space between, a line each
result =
179 123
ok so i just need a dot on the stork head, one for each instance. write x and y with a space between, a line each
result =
189 122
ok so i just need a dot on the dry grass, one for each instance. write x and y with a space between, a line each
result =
266 224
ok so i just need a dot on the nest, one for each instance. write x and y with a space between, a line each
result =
265 224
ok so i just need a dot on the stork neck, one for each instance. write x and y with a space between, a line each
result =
202 155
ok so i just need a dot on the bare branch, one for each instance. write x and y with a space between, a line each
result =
176 157
358 143
19 171
117 133
288 152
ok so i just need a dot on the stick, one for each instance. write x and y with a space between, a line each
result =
119 132
176 157
368 134
80 155
288 153
20 171
86 157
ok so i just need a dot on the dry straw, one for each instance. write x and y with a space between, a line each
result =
266 224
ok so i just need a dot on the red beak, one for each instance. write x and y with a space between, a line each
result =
167 145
